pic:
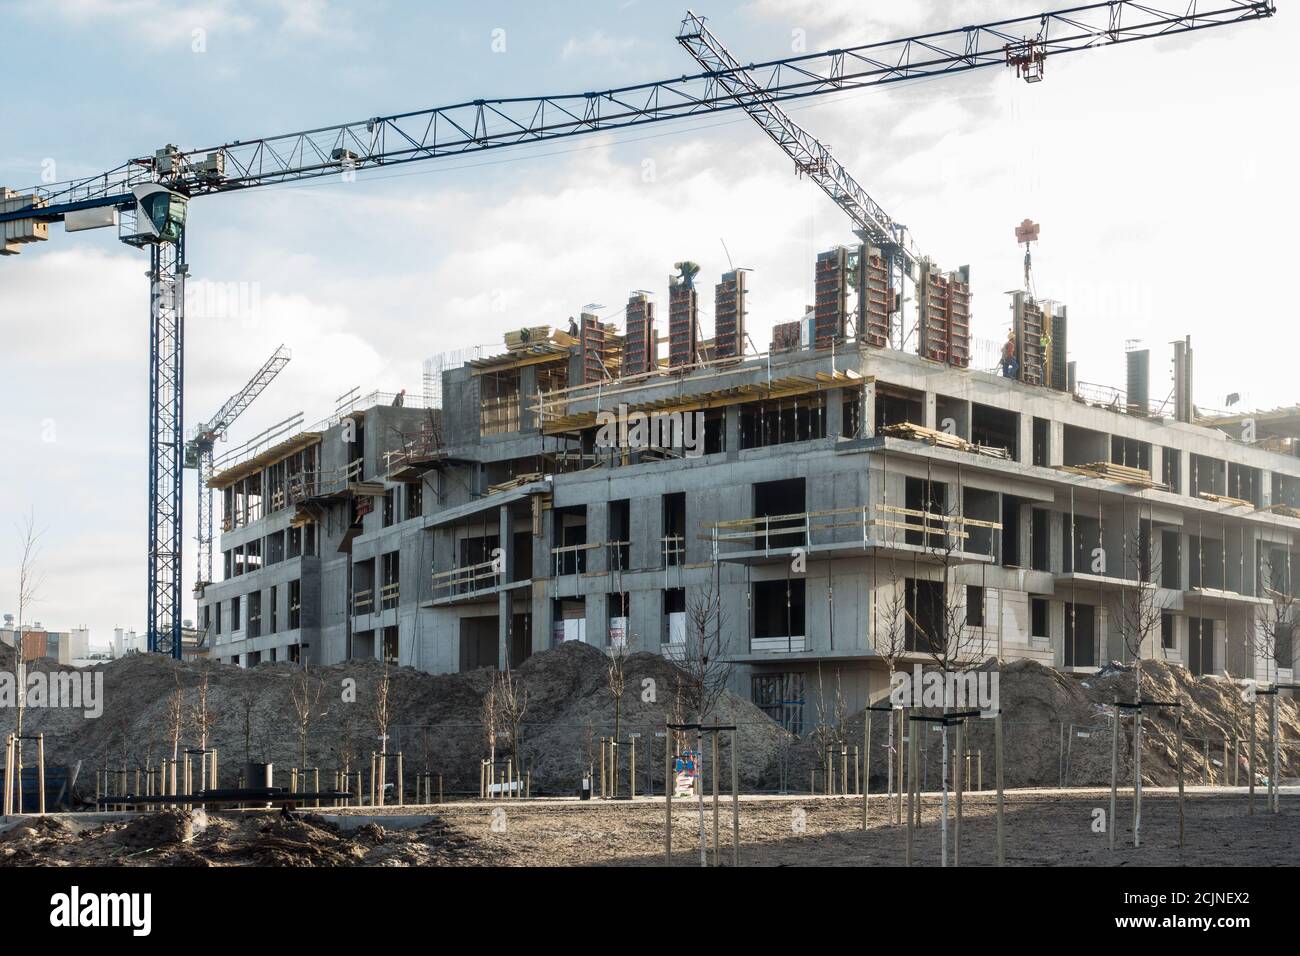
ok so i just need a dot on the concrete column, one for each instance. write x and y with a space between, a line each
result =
834 413
527 396
1025 439
1055 443
868 410
731 429
931 410
597 559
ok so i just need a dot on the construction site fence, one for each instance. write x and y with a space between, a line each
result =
554 758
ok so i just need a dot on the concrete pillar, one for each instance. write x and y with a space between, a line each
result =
527 396
834 413
597 559
1055 443
931 410
731 429
1025 439
868 410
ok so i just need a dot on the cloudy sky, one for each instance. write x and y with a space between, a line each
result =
1162 174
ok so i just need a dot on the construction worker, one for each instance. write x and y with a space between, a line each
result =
1010 367
1046 343
399 399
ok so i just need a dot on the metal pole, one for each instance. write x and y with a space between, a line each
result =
1181 797
1114 773
911 790
668 796
735 802
997 759
1250 762
716 852
866 767
961 780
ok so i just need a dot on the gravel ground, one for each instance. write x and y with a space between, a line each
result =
1043 828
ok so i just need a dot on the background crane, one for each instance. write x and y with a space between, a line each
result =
146 198
198 453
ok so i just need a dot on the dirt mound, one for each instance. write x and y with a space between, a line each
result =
1057 729
164 828
436 719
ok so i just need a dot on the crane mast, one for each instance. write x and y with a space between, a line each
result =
147 197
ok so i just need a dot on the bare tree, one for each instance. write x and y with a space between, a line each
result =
889 638
704 666
616 679
381 710
204 718
304 694
30 579
246 699
511 705
1277 622
490 715
175 715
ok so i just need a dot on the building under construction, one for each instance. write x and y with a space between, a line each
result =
845 500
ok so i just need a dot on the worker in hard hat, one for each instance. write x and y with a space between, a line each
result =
1010 366
1046 343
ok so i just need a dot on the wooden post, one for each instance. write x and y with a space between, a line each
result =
401 784
1205 777
1250 760
898 796
315 779
631 770
715 768
997 764
1181 813
383 773
844 769
9 776
214 768
602 768
1225 762
40 770
857 771
440 788
735 802
1276 763
374 762
1114 773
911 789
866 766
961 778
668 796
528 784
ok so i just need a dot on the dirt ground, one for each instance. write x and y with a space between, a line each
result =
1042 829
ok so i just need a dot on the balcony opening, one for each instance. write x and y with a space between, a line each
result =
896 404
1080 635
930 497
1207 476
781 421
254 626
1042 442
274 616
778 505
1171 561
781 697
1206 562
616 632
1245 482
995 428
570 540
1038 617
478 642
1200 645
620 534
779 615
521 643
1168 637
391 646
980 505
674 540
674 629
569 620
295 605
1040 535
1079 539
390 569
1083 446
1130 453
923 627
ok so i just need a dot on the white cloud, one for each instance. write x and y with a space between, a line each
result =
599 44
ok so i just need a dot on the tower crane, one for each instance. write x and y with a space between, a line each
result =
198 453
1022 43
147 197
